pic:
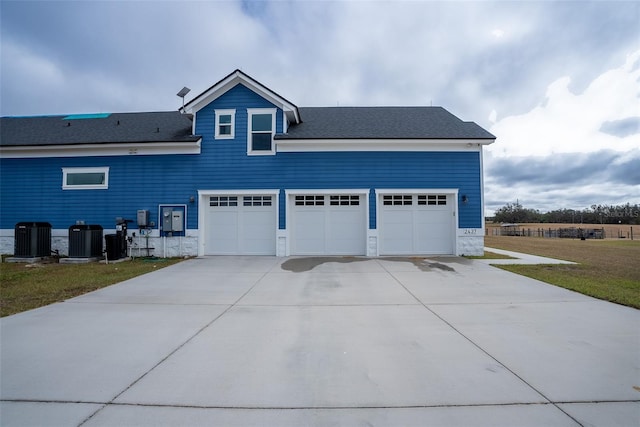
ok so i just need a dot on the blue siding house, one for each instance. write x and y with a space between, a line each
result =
242 170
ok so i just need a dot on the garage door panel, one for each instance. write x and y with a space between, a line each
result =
434 221
416 224
328 225
241 225
398 232
343 223
346 232
434 240
257 233
309 231
223 231
396 246
258 222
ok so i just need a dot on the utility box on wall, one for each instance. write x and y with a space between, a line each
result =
177 220
172 220
142 218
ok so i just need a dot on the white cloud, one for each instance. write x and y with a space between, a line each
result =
489 62
572 150
568 122
32 71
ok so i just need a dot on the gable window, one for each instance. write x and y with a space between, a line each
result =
261 128
85 178
225 124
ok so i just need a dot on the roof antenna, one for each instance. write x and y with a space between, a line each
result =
183 92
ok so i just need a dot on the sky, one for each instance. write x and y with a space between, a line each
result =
557 82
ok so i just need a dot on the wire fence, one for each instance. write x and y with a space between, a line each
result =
562 233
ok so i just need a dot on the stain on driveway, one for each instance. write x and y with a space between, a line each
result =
300 265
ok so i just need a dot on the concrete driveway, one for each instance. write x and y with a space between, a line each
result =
236 341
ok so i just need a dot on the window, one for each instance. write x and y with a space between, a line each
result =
309 200
397 200
345 200
432 199
223 201
225 124
261 127
256 200
85 178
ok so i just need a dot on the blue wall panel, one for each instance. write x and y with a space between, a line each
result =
31 189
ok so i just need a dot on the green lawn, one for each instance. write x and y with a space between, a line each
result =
606 269
489 255
27 286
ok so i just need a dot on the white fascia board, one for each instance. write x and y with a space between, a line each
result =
293 146
89 150
212 93
326 191
238 78
381 191
204 193
482 190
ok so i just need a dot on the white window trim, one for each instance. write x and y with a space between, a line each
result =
251 112
103 169
219 113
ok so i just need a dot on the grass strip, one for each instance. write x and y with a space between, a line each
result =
607 269
27 286
490 255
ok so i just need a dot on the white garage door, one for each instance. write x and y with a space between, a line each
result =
241 225
328 224
416 224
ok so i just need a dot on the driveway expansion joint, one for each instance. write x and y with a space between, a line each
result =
154 345
171 353
258 407
480 347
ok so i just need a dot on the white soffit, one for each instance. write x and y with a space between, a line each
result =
309 145
88 150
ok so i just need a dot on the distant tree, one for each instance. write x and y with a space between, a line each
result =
597 214
562 216
516 213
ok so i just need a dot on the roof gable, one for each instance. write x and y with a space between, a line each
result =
232 80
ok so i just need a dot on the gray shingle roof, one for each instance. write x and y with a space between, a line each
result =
166 126
382 123
171 126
